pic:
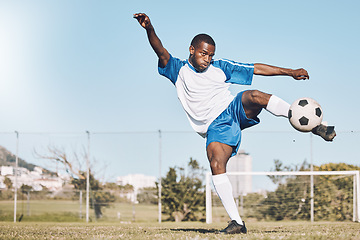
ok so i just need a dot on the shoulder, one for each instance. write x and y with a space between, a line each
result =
226 63
172 68
174 62
236 72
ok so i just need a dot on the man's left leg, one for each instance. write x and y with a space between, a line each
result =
218 155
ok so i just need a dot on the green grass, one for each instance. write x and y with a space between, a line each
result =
184 230
59 219
67 210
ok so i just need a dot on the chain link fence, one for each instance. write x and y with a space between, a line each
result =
116 154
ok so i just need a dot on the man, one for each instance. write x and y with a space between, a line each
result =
202 87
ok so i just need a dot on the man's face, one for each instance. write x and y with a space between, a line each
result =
201 56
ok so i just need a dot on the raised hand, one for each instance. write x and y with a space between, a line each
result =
154 41
143 20
300 74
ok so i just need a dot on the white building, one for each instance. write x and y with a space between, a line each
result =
138 181
241 162
38 170
53 184
6 170
36 179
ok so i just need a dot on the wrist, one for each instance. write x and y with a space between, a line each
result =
149 28
286 71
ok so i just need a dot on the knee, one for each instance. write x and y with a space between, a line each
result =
257 98
218 155
217 166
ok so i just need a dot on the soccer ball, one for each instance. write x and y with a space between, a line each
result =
305 114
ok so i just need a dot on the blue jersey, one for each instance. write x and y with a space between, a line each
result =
205 95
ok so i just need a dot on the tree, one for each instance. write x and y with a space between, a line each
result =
66 160
8 183
111 186
98 197
183 194
251 202
126 188
147 195
289 201
333 195
7 194
25 188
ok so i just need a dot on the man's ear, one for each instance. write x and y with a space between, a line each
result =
191 49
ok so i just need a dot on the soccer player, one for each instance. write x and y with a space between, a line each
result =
202 87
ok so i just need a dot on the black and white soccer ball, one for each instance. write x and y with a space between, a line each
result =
305 114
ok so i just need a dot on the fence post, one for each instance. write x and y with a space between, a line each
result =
159 201
88 178
358 195
16 173
311 181
28 203
208 199
80 199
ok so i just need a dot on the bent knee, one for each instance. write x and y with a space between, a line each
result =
256 98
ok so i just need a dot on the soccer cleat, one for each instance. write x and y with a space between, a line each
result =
234 228
326 132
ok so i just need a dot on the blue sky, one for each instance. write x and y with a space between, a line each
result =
73 66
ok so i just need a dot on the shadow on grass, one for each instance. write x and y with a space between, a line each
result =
197 230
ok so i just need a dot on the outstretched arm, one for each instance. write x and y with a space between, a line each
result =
267 70
154 41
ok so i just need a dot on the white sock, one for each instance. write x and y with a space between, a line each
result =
277 106
224 190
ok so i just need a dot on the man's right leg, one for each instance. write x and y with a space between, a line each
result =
218 155
254 101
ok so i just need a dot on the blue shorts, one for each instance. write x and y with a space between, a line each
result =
226 128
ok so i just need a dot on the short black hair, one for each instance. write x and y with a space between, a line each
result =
202 37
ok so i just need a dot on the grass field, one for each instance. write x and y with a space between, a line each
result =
68 211
60 220
184 230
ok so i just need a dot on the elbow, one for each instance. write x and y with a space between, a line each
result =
257 69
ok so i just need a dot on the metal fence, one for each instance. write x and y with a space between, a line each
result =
113 154
70 206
